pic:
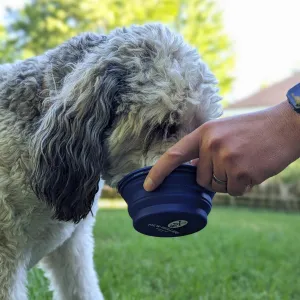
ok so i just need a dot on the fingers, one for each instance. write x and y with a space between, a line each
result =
204 170
185 150
194 162
238 184
219 183
206 154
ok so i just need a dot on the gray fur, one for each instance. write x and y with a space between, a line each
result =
95 107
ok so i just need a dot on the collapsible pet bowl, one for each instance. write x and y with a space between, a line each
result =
178 207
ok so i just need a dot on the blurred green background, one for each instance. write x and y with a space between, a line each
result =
244 253
43 24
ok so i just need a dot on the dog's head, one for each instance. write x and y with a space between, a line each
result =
126 103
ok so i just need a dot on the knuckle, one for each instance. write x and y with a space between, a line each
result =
236 190
240 179
212 137
215 143
241 175
235 193
206 127
174 154
230 157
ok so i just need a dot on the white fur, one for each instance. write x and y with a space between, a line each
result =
94 106
70 267
63 250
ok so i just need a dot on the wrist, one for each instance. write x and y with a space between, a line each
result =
288 121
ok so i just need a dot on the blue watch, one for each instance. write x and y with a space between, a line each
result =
293 96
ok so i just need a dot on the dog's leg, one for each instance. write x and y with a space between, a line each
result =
70 268
19 289
13 273
12 282
13 262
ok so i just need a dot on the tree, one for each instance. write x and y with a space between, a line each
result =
43 24
7 52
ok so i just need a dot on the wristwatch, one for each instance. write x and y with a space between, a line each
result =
293 96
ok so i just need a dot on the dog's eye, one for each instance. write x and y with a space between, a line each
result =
164 130
171 130
159 132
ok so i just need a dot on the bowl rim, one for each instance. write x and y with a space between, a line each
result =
145 170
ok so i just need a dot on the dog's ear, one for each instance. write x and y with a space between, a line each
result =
67 149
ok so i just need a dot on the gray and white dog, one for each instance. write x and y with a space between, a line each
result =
92 109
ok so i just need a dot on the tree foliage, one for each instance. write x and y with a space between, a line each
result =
7 51
43 24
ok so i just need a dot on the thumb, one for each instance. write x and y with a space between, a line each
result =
184 150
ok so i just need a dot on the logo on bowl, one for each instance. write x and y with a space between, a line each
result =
177 223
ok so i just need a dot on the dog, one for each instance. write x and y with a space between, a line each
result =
87 112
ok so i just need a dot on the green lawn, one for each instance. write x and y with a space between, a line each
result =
240 255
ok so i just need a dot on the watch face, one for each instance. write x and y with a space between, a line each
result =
294 96
296 99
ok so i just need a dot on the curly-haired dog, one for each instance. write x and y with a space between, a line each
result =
92 109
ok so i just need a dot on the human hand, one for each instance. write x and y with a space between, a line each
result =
241 151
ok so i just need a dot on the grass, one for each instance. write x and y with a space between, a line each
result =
240 255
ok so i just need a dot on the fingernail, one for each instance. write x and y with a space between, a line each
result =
194 162
148 184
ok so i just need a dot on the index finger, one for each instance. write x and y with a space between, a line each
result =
184 150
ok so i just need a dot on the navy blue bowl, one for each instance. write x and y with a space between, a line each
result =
178 207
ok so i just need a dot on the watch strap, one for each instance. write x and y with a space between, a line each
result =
293 96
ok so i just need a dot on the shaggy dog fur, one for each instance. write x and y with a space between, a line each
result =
92 109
